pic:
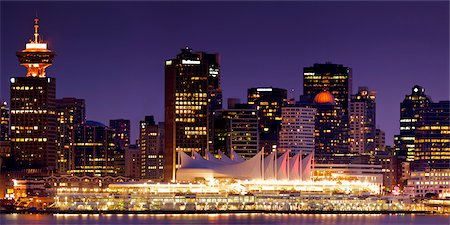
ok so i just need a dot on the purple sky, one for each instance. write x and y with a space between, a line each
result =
112 53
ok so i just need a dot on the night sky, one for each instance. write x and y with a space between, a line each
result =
112 53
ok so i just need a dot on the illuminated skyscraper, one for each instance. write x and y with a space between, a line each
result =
122 130
268 102
236 129
330 140
431 142
297 130
192 93
412 111
362 122
151 149
71 113
33 116
334 78
4 121
94 153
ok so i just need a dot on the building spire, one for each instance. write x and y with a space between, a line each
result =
36 29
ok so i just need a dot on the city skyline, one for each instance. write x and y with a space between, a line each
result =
135 86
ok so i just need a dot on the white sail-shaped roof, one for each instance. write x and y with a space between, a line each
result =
269 167
294 167
306 167
282 166
225 158
237 157
257 167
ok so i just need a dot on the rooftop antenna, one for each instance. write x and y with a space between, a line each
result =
36 29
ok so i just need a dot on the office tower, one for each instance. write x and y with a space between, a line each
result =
429 172
431 142
33 120
192 93
151 151
330 138
122 130
4 121
71 113
362 121
334 78
133 162
380 140
297 130
236 129
94 153
268 102
412 110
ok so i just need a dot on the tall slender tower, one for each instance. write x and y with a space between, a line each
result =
192 93
33 118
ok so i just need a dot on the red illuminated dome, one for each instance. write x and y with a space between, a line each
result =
324 97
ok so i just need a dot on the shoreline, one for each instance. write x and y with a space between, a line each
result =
154 212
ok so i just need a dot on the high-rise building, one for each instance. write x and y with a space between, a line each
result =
151 149
334 78
297 129
192 93
94 153
362 121
236 129
122 130
380 140
412 111
431 142
4 121
33 117
133 162
268 102
330 139
71 113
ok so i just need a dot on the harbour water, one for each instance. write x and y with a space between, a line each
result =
223 219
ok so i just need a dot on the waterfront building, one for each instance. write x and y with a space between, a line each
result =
122 130
362 128
4 121
297 130
94 153
236 130
71 113
192 93
33 112
133 163
429 183
268 102
151 148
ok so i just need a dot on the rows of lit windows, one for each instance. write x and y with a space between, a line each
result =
29 139
29 111
25 88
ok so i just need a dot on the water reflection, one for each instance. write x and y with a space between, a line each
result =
222 219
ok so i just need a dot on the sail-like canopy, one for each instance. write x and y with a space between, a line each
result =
256 168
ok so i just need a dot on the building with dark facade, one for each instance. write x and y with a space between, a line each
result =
268 102
362 126
122 130
94 153
152 153
334 78
4 121
330 137
33 121
412 111
71 113
133 162
432 146
236 129
192 93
